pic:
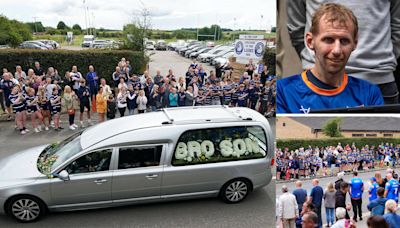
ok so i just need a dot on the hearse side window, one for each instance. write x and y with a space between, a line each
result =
220 145
131 157
93 162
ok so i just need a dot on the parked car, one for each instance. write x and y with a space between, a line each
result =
188 52
149 45
197 53
87 40
221 50
219 54
222 60
33 45
51 43
4 46
176 153
104 44
216 49
161 45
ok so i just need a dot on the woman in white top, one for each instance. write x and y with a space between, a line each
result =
121 101
141 102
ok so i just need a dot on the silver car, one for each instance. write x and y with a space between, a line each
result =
176 153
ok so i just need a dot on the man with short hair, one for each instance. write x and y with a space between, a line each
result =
301 196
391 188
84 96
38 70
333 36
379 39
288 208
310 220
356 190
316 195
377 206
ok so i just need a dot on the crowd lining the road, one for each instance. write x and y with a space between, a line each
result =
326 161
301 208
44 96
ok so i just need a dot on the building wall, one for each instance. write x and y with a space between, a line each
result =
287 128
369 134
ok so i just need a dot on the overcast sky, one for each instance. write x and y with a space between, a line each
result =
254 14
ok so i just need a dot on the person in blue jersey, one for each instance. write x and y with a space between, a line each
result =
372 194
356 190
93 82
391 188
333 36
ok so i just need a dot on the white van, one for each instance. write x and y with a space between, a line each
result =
87 40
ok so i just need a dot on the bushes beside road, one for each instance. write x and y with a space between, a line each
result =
269 59
297 143
104 61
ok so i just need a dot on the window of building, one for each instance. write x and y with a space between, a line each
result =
387 135
357 135
371 135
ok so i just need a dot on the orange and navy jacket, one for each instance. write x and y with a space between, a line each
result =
296 94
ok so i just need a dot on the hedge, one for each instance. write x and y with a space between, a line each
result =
104 61
294 144
269 58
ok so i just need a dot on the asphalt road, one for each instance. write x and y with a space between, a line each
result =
323 182
258 210
176 62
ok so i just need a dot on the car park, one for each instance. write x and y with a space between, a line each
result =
176 153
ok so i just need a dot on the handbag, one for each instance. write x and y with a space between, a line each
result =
71 111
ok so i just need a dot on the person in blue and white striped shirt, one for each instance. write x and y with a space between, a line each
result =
55 102
17 100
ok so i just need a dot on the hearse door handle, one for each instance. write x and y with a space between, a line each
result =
151 176
100 181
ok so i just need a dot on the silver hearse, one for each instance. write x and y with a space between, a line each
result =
176 153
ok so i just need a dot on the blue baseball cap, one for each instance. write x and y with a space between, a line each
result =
373 179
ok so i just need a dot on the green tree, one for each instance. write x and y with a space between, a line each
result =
62 26
213 30
332 128
51 31
36 26
269 59
136 32
13 32
76 27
